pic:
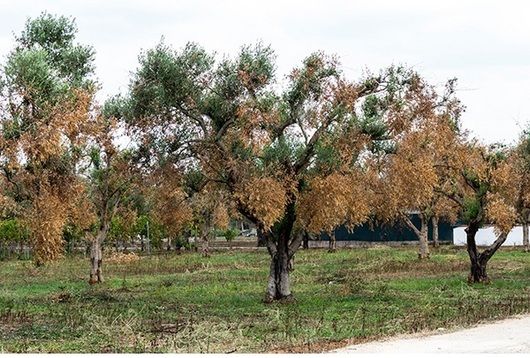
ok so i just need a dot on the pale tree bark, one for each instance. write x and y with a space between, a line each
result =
206 232
205 246
96 255
526 240
435 236
279 284
423 252
282 244
421 234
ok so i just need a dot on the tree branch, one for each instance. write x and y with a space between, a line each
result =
451 196
296 242
410 224
488 253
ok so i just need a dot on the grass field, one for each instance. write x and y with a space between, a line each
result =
186 303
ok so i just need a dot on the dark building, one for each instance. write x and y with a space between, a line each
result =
385 233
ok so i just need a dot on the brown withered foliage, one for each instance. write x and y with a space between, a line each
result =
171 204
484 187
501 201
520 177
334 200
489 177
264 197
40 172
410 179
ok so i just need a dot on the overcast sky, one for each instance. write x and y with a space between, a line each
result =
485 44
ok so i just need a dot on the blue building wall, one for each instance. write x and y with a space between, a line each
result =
395 232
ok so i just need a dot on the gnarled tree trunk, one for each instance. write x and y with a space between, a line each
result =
282 244
332 242
435 237
278 285
206 232
478 267
205 246
479 261
96 256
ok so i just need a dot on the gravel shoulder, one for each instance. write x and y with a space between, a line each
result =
507 336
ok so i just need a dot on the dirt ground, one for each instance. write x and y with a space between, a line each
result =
507 336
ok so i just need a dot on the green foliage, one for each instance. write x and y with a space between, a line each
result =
30 72
156 231
194 180
56 36
374 127
72 235
281 151
181 242
166 79
471 209
12 128
327 157
12 231
47 63
95 157
256 66
120 229
114 107
308 82
372 123
230 234
524 148
250 73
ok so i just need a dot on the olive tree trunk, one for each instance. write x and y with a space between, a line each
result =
479 261
278 285
421 233
423 252
282 244
305 240
262 241
96 255
526 240
205 246
332 243
435 236
206 233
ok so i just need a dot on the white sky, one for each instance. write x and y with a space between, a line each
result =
485 44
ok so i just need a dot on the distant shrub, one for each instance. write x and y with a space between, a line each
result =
230 234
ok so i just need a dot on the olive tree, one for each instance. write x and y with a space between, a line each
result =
47 88
287 157
414 171
483 185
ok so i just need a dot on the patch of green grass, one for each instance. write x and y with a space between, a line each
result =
188 303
